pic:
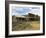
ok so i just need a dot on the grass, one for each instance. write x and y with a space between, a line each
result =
33 25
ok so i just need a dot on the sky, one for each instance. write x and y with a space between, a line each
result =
19 11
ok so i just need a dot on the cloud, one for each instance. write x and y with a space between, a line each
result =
25 10
22 9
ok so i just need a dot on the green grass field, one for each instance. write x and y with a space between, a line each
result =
33 25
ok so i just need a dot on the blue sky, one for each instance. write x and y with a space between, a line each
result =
25 10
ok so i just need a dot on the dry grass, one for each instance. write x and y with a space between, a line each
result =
33 25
